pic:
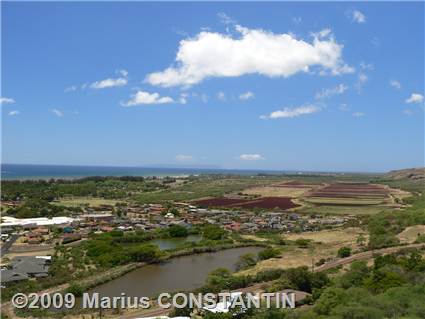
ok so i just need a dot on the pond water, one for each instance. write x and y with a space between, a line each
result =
171 243
179 274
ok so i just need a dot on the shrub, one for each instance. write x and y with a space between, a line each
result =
177 231
344 252
268 253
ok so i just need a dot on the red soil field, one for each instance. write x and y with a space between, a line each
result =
295 184
262 202
355 190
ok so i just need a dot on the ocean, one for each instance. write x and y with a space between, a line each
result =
24 171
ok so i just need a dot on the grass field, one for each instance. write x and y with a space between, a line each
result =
325 245
343 210
341 236
410 234
206 187
343 201
83 201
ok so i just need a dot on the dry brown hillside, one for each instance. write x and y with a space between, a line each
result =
411 173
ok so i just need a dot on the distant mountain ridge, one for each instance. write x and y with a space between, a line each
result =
410 173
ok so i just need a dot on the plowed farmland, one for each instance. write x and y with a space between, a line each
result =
262 202
349 194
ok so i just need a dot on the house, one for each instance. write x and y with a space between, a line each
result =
9 275
24 267
106 229
224 306
233 226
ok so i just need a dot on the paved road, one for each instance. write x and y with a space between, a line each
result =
6 246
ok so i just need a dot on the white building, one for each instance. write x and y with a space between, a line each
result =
8 221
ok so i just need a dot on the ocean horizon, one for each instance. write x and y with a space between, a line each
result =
43 171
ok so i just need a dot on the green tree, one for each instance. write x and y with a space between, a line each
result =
213 232
344 252
177 231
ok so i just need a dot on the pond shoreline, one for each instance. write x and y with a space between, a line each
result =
181 253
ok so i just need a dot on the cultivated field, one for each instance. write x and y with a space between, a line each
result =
285 189
262 202
321 195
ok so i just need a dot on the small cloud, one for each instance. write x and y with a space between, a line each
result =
361 81
326 93
221 96
344 107
71 88
358 114
109 83
225 19
183 98
362 77
358 16
395 84
246 96
6 100
367 66
288 112
408 112
297 20
123 73
375 41
415 98
251 157
204 98
142 97
14 113
184 158
57 112
325 33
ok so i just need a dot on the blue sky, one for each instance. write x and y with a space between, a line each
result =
293 86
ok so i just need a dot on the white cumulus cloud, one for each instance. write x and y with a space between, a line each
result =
251 157
254 51
6 100
358 16
326 93
246 96
415 98
142 97
288 112
13 113
358 114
